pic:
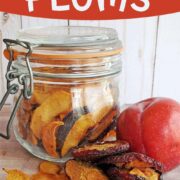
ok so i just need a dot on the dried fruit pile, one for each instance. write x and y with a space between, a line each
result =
47 171
116 162
59 118
98 161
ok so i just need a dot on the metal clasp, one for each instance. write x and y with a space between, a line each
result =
25 80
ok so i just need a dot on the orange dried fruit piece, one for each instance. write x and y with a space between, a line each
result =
43 176
99 129
137 172
132 160
110 136
16 175
99 150
77 170
118 174
58 102
49 168
39 97
49 137
146 173
80 128
63 176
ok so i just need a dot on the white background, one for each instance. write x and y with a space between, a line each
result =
151 64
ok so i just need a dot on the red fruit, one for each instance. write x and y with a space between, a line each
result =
152 127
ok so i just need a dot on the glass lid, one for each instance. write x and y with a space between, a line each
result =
69 42
69 36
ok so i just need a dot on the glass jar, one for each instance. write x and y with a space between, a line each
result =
69 87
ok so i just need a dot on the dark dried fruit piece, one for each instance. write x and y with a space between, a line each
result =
132 160
99 150
69 121
134 174
121 174
78 170
77 133
80 128
96 132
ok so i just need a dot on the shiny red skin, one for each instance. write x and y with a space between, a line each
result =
152 127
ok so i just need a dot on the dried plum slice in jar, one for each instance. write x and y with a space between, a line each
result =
69 121
103 126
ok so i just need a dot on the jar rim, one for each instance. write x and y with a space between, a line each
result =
68 36
76 42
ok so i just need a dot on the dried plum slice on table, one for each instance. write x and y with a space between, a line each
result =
115 173
132 165
121 174
77 170
147 173
96 151
132 160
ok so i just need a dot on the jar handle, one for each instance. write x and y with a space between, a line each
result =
12 88
24 79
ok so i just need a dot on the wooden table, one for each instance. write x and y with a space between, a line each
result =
13 156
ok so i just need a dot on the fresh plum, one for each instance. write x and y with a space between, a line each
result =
152 127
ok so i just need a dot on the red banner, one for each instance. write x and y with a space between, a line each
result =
90 9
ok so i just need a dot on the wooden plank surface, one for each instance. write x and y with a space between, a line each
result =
2 87
139 57
29 22
9 25
139 39
167 66
13 156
